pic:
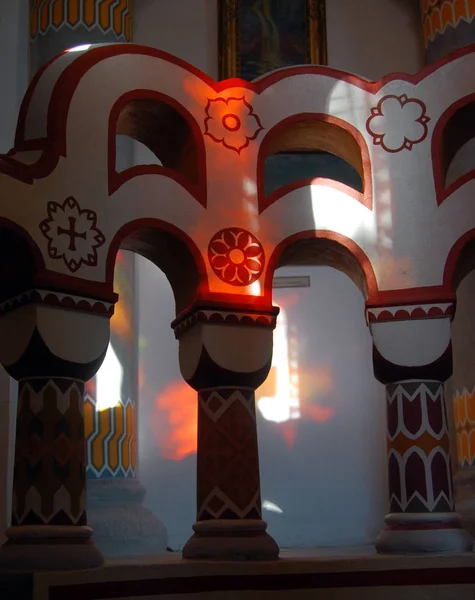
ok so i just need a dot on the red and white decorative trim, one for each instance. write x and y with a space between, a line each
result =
38 296
414 311
224 317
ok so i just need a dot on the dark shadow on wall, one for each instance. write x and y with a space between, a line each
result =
281 169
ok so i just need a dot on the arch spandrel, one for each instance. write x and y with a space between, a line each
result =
394 120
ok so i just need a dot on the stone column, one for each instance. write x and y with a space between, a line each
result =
225 354
462 386
56 348
447 26
413 358
122 526
8 398
57 26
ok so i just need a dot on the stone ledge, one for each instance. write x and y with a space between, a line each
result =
299 574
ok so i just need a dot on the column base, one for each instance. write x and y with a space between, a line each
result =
49 548
122 525
227 539
464 485
421 533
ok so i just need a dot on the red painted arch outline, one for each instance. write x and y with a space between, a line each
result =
69 80
116 180
366 198
151 223
453 257
344 241
441 190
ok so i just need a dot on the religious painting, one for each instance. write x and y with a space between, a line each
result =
258 36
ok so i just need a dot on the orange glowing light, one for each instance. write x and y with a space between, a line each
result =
318 381
141 377
121 323
175 421
317 413
236 256
289 433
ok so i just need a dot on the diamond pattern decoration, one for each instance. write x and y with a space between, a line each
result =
50 454
228 461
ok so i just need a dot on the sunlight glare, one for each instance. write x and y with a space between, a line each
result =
285 404
336 211
271 507
109 381
79 48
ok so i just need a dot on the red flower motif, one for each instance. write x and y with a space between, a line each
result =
72 234
398 123
236 256
231 122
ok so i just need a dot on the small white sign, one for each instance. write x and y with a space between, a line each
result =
294 281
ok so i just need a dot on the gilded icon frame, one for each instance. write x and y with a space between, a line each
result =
230 57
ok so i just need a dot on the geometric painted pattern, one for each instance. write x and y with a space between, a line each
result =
228 461
50 454
437 15
236 256
464 417
110 437
382 314
231 122
226 317
72 234
39 296
108 15
420 477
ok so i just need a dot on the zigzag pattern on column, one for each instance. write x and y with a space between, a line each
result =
418 448
111 439
437 15
464 417
109 15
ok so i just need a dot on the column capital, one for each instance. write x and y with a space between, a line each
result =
41 326
225 346
224 314
411 342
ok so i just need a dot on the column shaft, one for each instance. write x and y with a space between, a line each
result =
49 481
420 478
414 359
228 459
446 26
225 355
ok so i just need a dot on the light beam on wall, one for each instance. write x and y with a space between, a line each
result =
336 211
109 381
271 507
282 403
80 48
